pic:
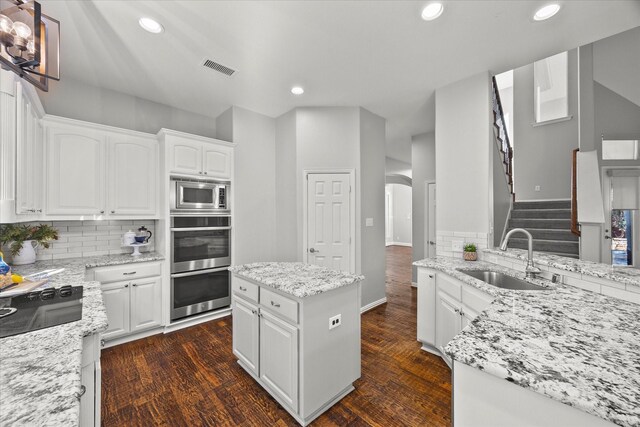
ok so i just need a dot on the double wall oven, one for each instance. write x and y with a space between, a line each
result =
200 248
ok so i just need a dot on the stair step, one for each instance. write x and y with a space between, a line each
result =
556 204
541 214
563 224
557 246
557 234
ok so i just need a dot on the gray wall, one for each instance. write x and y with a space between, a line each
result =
372 173
423 161
254 188
615 117
401 213
77 100
463 138
542 154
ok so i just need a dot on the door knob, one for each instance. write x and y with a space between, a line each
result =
431 242
313 251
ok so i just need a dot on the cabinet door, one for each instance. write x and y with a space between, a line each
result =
448 322
185 157
28 156
468 314
87 401
279 359
116 301
133 176
246 333
217 161
146 303
426 306
75 172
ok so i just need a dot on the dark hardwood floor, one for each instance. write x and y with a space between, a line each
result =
191 378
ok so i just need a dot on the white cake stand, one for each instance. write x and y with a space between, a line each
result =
136 248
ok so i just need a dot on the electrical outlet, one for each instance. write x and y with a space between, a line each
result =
537 188
335 321
457 245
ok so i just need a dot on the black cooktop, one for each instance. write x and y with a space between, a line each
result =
40 309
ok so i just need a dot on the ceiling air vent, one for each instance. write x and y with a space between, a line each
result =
218 67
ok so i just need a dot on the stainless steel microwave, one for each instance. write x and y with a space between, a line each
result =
199 196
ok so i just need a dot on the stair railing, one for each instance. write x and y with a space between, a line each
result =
502 136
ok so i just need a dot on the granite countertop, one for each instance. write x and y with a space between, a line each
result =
626 275
575 346
295 278
40 370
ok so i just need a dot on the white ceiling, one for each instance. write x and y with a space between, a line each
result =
375 54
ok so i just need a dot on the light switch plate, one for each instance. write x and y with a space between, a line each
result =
369 222
457 245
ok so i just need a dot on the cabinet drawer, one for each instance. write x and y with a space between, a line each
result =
475 299
244 289
276 303
127 272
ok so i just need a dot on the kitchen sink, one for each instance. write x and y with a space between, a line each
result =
501 280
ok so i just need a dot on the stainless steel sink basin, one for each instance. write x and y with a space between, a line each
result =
501 280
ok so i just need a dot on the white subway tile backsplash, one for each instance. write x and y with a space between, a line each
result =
91 238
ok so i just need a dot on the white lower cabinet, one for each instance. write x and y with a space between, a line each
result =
287 346
133 305
91 382
445 307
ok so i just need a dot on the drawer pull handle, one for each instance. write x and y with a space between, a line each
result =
243 289
129 274
135 284
431 276
275 304
81 393
126 286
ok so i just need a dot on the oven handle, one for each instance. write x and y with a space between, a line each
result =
201 228
195 273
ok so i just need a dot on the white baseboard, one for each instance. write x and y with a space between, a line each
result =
398 244
543 200
128 338
373 305
414 284
192 321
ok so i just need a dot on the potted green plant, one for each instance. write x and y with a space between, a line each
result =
22 239
470 252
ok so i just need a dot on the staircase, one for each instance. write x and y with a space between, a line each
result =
550 225
502 137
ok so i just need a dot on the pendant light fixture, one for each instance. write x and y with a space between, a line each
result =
29 42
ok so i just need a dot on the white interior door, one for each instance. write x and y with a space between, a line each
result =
328 220
430 219
621 239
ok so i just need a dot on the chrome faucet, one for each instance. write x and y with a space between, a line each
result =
531 271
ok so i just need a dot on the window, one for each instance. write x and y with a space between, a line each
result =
550 77
619 149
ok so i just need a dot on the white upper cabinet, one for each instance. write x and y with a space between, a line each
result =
75 172
93 170
132 188
198 156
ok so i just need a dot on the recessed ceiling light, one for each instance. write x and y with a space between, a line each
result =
151 25
546 12
297 90
432 11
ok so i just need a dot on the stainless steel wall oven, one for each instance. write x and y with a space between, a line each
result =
200 256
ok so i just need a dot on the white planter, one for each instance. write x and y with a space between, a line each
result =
27 254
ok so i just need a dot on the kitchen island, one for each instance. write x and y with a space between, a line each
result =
41 372
296 331
561 356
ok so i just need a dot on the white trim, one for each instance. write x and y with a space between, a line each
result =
550 122
373 305
170 132
133 337
414 284
49 119
542 200
181 324
352 212
398 244
426 220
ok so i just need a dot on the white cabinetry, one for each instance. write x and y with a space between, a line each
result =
132 295
445 307
286 345
197 156
97 170
91 381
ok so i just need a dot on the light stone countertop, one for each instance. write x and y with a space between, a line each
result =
626 275
295 278
40 370
578 347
